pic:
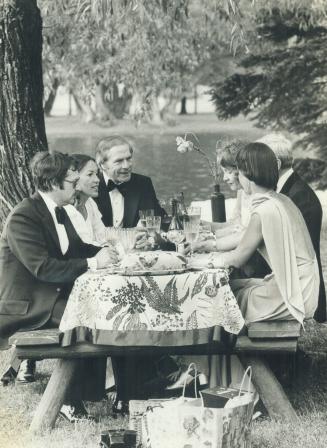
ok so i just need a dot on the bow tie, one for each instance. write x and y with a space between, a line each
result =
122 188
61 215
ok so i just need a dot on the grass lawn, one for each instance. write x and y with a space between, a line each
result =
308 393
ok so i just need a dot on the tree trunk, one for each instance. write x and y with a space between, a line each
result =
83 110
119 104
49 102
183 106
155 112
168 112
22 129
102 109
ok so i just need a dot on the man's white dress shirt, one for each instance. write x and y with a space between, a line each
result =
283 179
61 231
117 204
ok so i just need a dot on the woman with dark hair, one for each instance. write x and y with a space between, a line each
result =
277 230
85 214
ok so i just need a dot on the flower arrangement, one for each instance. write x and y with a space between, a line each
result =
185 145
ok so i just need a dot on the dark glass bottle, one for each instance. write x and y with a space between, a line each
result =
181 208
176 222
218 205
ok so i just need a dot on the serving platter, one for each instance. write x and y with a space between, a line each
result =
127 272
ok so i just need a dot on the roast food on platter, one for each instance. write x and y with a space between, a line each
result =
154 261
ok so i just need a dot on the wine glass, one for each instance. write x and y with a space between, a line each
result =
143 215
153 226
194 214
176 237
127 238
191 230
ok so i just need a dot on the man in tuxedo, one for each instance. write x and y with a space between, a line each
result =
122 193
293 186
41 255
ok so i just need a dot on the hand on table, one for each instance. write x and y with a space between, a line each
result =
204 246
185 248
144 241
141 240
106 257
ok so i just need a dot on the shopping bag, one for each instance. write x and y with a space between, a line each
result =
243 397
138 408
187 423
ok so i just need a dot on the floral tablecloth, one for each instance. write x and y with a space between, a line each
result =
151 310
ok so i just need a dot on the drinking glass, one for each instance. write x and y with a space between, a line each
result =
191 229
127 238
176 237
153 224
111 235
194 214
143 215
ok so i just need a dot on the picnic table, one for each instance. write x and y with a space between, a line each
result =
177 313
174 309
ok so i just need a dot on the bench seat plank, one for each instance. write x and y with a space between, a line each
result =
274 329
247 345
35 337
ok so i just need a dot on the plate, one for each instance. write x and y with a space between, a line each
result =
147 272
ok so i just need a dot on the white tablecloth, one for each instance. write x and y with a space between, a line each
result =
142 304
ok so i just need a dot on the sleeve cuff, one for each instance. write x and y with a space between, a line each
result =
92 264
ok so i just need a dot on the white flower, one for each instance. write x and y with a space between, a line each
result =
182 148
183 145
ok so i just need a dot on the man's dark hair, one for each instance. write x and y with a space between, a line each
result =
259 164
49 169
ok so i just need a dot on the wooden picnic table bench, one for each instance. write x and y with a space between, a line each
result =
263 339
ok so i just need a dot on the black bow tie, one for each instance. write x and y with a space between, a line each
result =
61 215
122 188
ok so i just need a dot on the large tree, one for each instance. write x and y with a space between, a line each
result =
154 48
22 130
282 82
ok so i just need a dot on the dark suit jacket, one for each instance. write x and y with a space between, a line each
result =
33 271
140 195
309 205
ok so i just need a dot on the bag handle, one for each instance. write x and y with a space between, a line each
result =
248 370
191 365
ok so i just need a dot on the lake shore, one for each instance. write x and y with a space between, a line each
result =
239 127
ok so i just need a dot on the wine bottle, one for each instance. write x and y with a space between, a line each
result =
218 205
175 223
182 211
175 232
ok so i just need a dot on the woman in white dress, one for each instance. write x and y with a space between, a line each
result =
85 214
277 230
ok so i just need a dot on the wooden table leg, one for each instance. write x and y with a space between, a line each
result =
54 395
270 390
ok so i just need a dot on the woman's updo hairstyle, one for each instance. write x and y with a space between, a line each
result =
227 155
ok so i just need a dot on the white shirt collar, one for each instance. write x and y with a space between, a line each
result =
107 178
60 228
283 179
50 203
